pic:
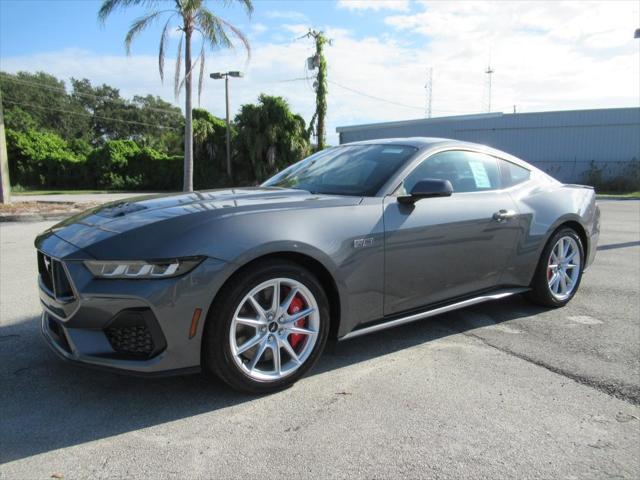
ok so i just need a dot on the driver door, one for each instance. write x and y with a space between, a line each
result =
439 249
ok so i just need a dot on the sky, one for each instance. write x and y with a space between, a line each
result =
545 55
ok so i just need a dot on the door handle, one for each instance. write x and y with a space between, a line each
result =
504 215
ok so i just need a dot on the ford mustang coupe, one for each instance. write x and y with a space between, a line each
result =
249 283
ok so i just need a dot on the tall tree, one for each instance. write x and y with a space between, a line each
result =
269 137
193 17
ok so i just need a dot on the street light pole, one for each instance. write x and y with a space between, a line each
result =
226 94
219 76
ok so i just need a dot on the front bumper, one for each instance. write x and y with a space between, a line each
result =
135 326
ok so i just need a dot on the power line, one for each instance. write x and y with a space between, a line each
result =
71 112
374 97
82 94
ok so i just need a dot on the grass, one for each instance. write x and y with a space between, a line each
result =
618 195
63 192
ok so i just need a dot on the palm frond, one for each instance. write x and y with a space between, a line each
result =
211 28
163 47
109 6
241 36
190 72
137 26
201 77
247 4
176 80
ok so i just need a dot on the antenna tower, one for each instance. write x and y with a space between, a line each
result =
429 91
489 72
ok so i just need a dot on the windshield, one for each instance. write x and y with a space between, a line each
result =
349 170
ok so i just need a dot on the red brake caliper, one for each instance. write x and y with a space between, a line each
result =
296 305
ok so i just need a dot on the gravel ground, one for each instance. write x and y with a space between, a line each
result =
501 390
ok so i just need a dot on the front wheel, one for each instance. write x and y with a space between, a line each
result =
559 271
268 328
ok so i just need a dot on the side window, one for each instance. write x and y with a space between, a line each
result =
467 171
513 174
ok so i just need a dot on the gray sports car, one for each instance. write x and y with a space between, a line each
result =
249 283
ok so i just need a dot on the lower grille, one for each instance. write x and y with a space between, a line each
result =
134 333
56 332
135 340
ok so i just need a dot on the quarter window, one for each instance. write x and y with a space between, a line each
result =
513 174
467 171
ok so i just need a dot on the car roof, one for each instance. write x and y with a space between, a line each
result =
418 142
428 143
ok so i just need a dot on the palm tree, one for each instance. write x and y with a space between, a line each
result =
193 16
270 136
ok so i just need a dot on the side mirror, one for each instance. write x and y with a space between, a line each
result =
428 188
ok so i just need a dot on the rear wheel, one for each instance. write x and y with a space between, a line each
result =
559 271
268 328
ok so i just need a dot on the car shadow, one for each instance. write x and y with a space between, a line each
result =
47 404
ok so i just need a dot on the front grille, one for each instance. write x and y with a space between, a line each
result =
134 333
45 270
54 278
135 340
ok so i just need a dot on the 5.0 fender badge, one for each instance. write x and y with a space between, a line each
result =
363 242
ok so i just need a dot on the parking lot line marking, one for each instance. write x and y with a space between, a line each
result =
585 320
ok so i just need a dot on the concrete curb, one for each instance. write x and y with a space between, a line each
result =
36 217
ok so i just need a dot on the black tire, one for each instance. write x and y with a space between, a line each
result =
540 292
217 355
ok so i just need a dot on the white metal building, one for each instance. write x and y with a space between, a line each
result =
566 144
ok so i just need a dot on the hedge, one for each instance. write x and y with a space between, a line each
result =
44 160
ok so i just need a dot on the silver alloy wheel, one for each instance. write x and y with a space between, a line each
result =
268 340
563 268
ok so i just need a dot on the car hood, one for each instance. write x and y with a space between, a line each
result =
185 209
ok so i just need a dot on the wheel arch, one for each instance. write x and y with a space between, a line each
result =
582 233
312 264
574 225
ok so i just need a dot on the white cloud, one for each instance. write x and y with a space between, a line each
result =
546 57
289 15
359 5
258 28
296 28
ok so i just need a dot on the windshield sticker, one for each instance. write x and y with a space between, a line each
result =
393 150
480 175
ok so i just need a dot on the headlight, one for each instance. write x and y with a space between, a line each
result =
137 269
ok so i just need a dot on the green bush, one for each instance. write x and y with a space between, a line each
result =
43 159
123 165
109 165
625 179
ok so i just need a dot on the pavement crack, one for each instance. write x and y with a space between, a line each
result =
622 391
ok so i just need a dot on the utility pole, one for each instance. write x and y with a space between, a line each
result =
226 75
489 72
318 61
5 186
429 88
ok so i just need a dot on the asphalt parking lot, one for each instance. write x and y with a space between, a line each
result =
500 390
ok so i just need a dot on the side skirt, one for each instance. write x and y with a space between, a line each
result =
496 295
